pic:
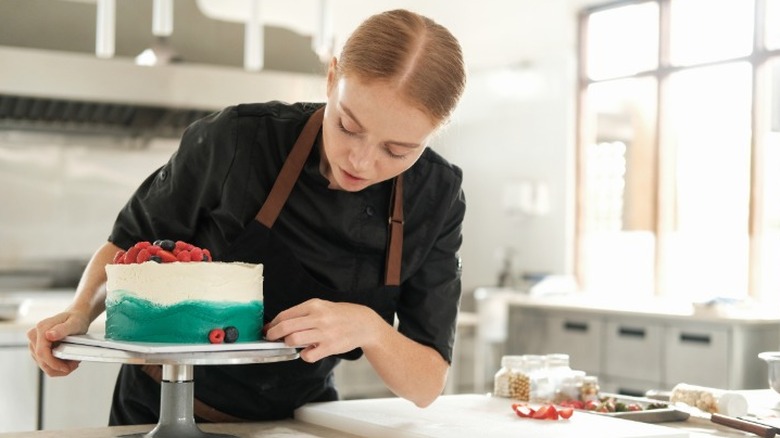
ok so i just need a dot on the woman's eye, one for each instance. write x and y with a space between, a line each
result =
392 154
345 130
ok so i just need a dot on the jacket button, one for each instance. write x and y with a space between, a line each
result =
369 211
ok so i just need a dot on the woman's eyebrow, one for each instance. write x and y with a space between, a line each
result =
351 115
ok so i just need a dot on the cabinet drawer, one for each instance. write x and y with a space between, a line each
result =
527 332
633 350
632 387
697 355
579 337
18 390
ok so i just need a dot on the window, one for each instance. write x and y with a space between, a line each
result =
677 150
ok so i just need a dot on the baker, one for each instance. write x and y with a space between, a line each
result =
357 221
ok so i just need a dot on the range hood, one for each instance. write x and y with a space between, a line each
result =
45 90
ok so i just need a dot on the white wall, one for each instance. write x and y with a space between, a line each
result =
522 131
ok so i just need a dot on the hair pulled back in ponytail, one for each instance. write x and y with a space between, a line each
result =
412 52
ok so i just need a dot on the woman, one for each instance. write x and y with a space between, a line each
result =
308 190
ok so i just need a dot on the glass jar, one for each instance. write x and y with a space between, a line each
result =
558 371
570 387
589 390
712 400
502 378
540 387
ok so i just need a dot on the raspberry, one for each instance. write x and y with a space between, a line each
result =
153 249
207 255
166 257
143 256
196 254
216 336
119 256
132 255
142 245
183 256
231 334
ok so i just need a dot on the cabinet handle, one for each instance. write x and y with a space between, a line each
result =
631 392
575 326
695 339
631 332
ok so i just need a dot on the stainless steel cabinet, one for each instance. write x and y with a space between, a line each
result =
80 399
580 335
633 352
18 390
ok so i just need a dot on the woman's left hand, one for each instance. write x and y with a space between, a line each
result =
324 327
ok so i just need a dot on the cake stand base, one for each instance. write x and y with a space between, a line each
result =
177 389
176 407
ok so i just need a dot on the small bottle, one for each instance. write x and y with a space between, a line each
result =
570 387
502 378
589 390
712 400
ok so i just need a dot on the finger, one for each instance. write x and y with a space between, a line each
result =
314 353
288 327
296 311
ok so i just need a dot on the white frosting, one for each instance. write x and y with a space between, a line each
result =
170 283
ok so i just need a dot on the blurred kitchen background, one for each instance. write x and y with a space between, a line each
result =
619 158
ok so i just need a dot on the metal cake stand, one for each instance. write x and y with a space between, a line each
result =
177 387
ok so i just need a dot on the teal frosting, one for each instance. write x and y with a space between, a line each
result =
130 318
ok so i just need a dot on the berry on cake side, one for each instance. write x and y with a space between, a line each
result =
173 292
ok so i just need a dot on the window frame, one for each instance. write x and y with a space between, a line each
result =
759 59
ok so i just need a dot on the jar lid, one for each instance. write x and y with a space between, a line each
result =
511 361
732 404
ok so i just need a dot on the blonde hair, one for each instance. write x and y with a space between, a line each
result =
422 58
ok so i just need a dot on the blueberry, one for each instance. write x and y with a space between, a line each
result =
231 334
167 244
155 258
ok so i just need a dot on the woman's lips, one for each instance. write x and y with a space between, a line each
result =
352 177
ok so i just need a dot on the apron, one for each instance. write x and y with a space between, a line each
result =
256 392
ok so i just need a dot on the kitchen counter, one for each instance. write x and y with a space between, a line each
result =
743 313
271 429
452 416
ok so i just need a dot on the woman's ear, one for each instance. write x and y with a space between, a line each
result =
331 75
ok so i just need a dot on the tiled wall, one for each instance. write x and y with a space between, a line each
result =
59 195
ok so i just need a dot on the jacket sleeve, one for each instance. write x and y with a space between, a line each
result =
170 202
430 297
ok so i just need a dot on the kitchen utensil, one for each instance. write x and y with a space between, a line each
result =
772 359
740 423
665 414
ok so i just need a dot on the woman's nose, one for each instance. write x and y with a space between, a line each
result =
361 156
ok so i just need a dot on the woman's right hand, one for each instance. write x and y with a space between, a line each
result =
88 303
53 329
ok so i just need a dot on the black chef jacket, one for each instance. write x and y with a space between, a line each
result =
225 166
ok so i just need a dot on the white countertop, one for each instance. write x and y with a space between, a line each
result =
651 307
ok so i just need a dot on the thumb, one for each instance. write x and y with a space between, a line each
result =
53 335
57 332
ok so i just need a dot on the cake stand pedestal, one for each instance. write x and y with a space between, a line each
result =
177 388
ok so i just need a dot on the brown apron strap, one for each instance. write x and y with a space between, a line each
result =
199 409
396 232
291 169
